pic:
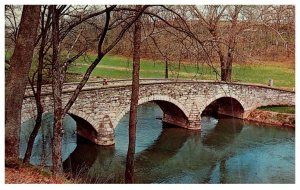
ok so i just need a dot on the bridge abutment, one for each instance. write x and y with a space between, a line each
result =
194 118
194 124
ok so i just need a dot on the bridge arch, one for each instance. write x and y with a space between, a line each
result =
85 126
237 106
159 100
84 116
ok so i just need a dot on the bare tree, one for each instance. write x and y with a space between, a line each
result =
180 24
58 76
45 28
101 50
57 92
129 172
16 78
216 19
60 69
216 33
12 21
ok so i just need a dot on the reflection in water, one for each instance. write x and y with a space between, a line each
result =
223 133
42 151
167 145
218 136
225 151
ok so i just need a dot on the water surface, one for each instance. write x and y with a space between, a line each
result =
227 150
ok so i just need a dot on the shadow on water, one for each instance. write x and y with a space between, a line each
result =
219 137
167 145
223 133
88 158
82 157
92 161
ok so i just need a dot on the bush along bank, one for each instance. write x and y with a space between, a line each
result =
273 118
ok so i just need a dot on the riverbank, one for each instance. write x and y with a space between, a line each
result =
273 118
15 173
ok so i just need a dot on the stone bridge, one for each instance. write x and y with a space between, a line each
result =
99 108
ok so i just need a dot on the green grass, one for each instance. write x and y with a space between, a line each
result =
282 75
118 67
280 109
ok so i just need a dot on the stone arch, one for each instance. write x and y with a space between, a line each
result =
84 116
85 126
220 96
148 99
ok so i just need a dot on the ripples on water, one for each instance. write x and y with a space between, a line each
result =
226 151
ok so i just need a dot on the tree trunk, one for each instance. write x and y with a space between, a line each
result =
167 69
17 75
223 64
129 172
57 96
226 67
37 94
35 131
227 70
226 64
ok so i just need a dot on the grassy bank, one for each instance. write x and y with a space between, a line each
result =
280 109
117 67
